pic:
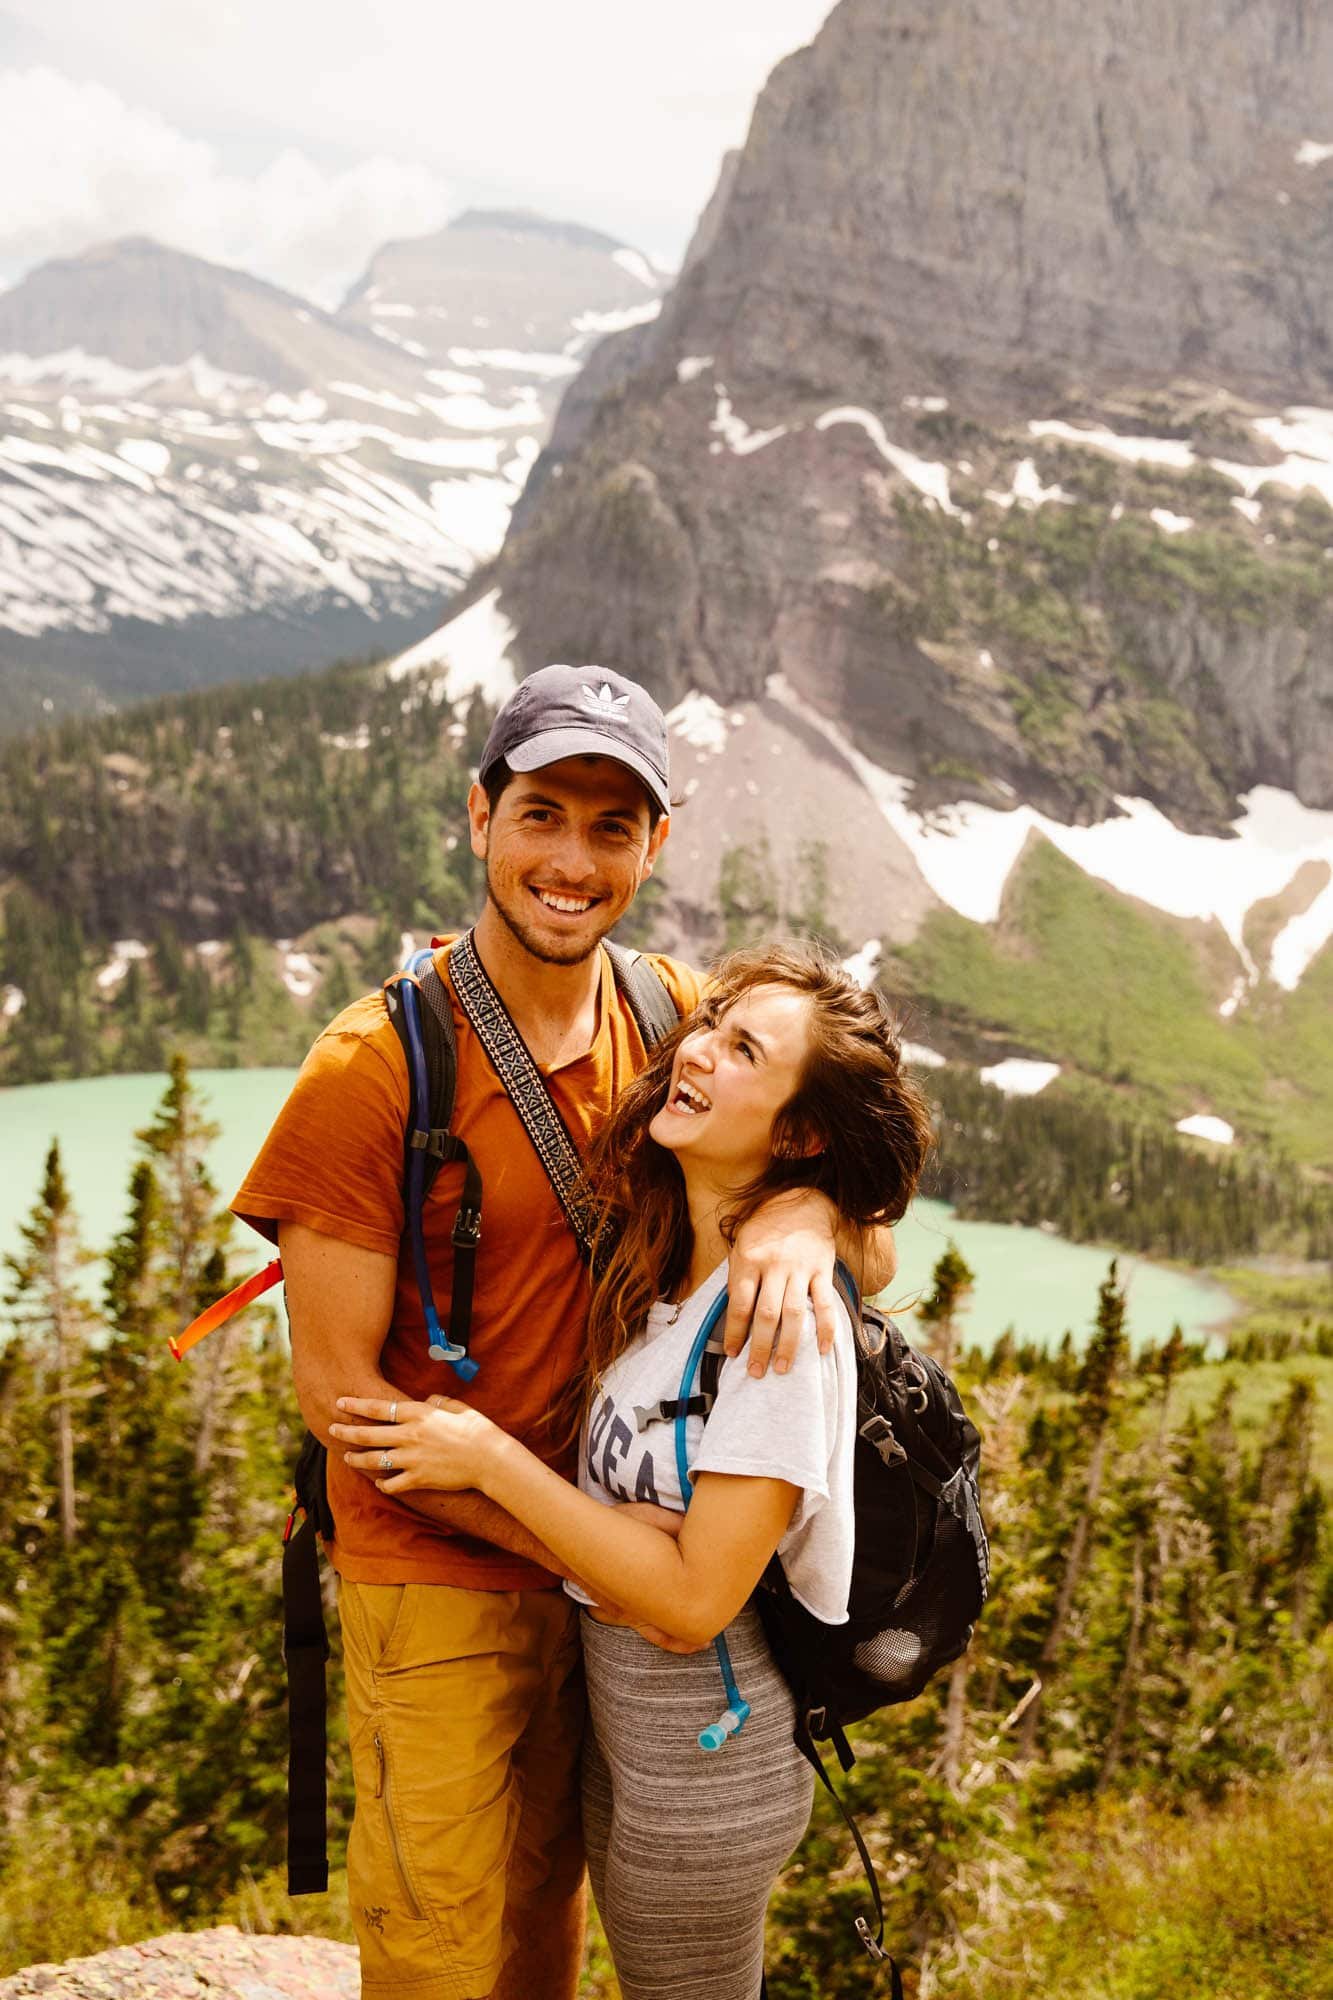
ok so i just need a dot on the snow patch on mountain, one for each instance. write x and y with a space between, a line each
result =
1027 489
967 851
734 432
1203 1126
1174 452
76 369
919 1056
299 973
473 650
701 722
637 265
619 320
1304 434
474 413
513 361
383 399
928 477
150 456
1016 1076
863 964
124 954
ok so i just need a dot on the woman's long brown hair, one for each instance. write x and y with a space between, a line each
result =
869 1126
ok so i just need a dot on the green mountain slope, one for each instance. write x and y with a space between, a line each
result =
1128 997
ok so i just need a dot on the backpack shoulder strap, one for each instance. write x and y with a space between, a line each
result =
437 1035
849 1292
872 1940
427 1037
655 1012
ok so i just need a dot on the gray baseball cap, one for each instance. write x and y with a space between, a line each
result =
581 712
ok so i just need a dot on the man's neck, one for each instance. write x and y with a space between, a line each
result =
554 1007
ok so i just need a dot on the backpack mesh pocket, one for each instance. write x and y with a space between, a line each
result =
889 1656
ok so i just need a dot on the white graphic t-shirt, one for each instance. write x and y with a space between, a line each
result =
800 1427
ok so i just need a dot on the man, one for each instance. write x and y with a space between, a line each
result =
465 1864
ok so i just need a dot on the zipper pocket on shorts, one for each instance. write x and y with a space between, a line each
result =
382 1794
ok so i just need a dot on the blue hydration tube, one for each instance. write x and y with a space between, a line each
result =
440 1346
733 1719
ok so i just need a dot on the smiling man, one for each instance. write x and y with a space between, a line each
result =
465 1862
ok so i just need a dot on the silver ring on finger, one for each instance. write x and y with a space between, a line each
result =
393 1413
386 1461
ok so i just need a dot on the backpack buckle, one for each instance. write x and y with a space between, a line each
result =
878 1431
816 1721
872 1945
467 1229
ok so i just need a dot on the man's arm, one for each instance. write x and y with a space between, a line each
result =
340 1300
782 1261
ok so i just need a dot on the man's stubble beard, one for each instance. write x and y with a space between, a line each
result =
575 956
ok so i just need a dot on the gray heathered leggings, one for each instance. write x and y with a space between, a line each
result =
684 1845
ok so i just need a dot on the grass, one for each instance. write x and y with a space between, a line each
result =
1149 1905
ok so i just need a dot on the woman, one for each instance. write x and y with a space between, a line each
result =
788 1076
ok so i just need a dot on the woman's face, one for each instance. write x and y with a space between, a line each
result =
731 1076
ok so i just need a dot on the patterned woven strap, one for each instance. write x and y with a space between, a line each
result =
512 1062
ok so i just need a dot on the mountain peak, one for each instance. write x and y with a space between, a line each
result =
145 304
527 222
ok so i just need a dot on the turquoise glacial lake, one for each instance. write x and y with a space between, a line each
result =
1026 1278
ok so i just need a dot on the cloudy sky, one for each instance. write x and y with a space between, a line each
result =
293 136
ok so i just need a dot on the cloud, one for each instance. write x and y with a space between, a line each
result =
605 112
79 165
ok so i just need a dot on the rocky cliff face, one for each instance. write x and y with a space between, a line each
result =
989 412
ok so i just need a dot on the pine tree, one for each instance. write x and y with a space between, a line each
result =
940 1311
191 1234
1098 1384
49 1311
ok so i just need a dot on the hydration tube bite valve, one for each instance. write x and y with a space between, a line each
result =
441 1348
726 1725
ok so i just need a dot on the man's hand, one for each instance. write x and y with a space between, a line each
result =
781 1262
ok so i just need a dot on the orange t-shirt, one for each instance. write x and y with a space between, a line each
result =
334 1161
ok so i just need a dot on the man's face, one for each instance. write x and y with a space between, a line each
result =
565 850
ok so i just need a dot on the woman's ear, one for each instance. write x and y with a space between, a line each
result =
798 1139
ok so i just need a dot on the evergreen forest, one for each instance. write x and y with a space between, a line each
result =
1121 1792
205 826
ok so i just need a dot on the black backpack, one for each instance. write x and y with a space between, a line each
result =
920 1568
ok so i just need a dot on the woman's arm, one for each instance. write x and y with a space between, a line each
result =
689 1586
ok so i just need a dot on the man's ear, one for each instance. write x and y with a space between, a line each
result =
478 819
656 842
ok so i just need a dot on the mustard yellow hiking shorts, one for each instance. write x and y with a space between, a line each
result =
465 1717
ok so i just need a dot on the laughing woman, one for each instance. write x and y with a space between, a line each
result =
788 1077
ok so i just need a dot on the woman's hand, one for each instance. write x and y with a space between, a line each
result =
440 1444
